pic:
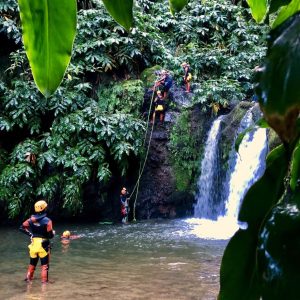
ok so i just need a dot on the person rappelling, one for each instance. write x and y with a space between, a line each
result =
159 108
39 228
124 200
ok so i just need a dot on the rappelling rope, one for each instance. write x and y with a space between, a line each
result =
141 168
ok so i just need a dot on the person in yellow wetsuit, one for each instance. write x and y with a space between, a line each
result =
159 108
39 228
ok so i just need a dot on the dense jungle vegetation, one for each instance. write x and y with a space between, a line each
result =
83 134
91 130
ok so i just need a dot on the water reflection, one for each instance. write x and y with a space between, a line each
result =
147 260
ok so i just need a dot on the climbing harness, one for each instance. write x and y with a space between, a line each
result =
142 166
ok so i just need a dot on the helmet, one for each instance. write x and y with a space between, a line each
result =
158 92
40 206
66 234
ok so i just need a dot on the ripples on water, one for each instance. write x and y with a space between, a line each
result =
147 260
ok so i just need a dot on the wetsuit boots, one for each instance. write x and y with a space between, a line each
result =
44 273
30 272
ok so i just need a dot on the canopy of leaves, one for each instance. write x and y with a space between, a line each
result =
93 121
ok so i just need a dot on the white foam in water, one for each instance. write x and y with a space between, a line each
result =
221 229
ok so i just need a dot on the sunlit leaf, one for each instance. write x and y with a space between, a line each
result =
276 4
295 167
287 11
49 28
177 5
258 9
121 11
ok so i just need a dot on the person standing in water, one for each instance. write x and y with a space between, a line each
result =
39 228
124 199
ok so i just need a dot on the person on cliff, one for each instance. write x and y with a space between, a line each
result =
167 83
124 201
187 76
39 228
159 108
164 83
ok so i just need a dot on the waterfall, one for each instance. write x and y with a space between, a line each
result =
245 168
249 165
209 178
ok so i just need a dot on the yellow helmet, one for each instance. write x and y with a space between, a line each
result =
40 206
66 234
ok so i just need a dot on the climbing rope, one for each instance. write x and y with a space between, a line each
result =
142 166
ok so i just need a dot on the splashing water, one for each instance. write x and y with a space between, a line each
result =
248 167
209 173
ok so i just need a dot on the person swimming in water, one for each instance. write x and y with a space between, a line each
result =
65 239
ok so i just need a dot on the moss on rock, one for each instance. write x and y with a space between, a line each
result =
148 75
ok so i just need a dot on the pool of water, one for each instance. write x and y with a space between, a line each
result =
144 260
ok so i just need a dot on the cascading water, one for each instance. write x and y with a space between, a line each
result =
246 167
249 165
209 178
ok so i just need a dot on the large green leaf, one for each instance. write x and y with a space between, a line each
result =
295 167
237 274
177 5
278 87
258 9
121 11
49 28
275 4
266 191
286 12
278 251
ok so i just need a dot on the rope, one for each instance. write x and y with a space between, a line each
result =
141 168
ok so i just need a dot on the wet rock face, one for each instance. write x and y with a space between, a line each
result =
157 196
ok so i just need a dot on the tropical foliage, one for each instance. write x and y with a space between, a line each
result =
72 135
93 122
79 135
261 261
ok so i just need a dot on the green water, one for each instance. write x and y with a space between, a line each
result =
147 260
